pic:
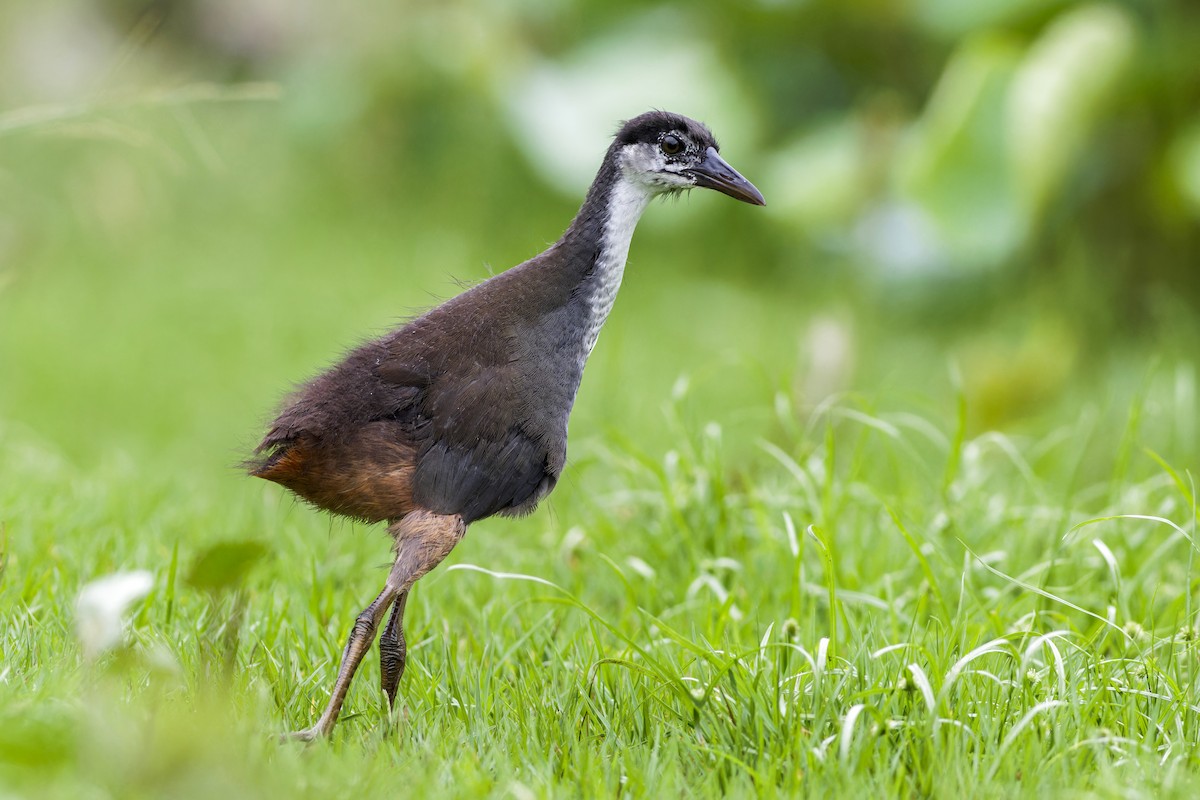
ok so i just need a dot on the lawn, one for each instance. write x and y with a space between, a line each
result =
731 593
849 510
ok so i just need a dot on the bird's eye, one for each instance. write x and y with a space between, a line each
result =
671 145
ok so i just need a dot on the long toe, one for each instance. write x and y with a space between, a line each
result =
393 652
306 735
391 685
391 667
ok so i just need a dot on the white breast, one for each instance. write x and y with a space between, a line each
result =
625 206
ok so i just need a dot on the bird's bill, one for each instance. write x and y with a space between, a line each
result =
714 172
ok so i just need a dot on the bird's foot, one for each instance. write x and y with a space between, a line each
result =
393 652
391 665
307 735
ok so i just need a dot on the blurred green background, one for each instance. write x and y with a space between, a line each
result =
202 202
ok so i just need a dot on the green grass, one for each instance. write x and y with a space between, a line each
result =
730 593
870 603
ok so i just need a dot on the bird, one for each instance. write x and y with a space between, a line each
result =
461 413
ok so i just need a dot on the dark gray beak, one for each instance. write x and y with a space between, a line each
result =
715 173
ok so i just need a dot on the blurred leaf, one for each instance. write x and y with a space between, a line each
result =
820 176
224 565
1185 166
951 169
1059 92
955 17
563 111
1003 129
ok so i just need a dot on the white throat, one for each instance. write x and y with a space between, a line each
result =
626 203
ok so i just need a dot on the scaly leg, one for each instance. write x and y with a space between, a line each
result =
393 651
423 539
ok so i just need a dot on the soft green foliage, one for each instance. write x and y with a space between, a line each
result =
883 490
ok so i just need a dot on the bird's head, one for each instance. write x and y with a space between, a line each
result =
668 153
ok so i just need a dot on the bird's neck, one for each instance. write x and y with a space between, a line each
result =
598 244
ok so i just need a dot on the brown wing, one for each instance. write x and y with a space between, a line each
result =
476 456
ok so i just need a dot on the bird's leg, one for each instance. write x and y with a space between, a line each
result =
393 651
361 636
423 539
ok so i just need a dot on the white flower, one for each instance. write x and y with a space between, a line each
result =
101 605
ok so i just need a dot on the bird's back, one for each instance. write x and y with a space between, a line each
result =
454 412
